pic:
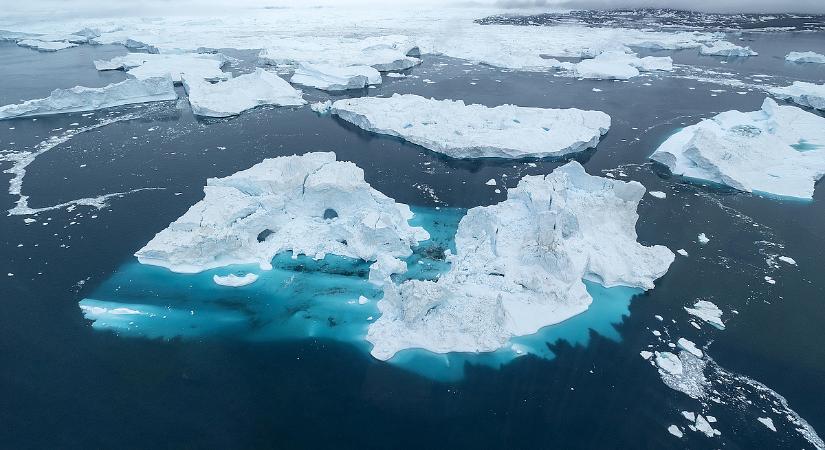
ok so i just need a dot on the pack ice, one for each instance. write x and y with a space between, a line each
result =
206 66
81 98
777 150
311 205
335 78
802 93
519 266
232 97
476 131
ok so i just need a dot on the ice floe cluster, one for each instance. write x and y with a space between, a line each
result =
232 97
459 130
777 150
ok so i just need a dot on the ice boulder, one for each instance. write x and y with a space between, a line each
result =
232 97
520 266
802 93
725 48
616 65
335 78
805 57
476 131
81 98
45 46
309 205
205 66
777 150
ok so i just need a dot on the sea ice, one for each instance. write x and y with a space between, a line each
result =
321 107
674 430
708 312
725 48
617 65
81 98
657 194
45 46
233 280
703 238
768 422
476 131
689 346
802 93
806 57
205 66
669 363
787 259
335 78
311 205
702 425
520 266
232 97
777 150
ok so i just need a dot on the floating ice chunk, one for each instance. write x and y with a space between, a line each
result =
476 131
689 415
45 46
236 95
768 422
335 78
806 57
657 194
708 312
385 266
383 53
703 239
669 363
787 259
285 204
363 300
645 354
674 430
81 98
233 280
702 425
682 252
725 48
491 182
752 151
802 93
206 66
689 346
519 266
617 65
321 107
395 75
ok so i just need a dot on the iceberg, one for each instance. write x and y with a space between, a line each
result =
334 78
615 65
233 280
805 57
725 48
206 66
520 265
476 131
708 312
382 53
236 95
802 93
45 46
81 98
777 150
308 205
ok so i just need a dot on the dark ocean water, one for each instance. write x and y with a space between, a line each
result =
64 384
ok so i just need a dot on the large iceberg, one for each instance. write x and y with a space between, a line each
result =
236 95
335 78
520 266
777 150
206 66
805 57
81 98
616 65
309 205
476 131
725 48
802 93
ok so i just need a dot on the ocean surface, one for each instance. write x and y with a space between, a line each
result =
282 363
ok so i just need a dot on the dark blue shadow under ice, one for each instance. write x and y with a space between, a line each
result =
303 298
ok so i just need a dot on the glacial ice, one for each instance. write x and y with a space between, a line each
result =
335 78
708 312
476 131
802 93
520 266
805 57
45 46
618 65
752 151
725 48
205 66
81 98
382 53
232 97
279 206
233 280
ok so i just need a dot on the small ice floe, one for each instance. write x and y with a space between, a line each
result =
236 95
674 430
708 312
689 346
788 260
596 90
491 182
703 239
363 300
769 280
233 280
428 81
802 93
658 194
725 48
669 363
645 354
321 107
335 78
619 65
682 252
703 425
395 75
805 57
768 422
45 46
180 66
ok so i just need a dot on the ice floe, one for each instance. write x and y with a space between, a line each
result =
233 280
206 66
232 97
81 98
335 78
703 238
777 150
309 205
708 312
725 48
768 422
617 65
689 346
520 266
657 194
45 46
802 93
805 57
674 430
476 131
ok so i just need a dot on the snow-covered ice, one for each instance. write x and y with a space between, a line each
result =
725 48
777 150
232 97
81 98
669 363
619 65
802 93
311 205
674 430
768 422
45 46
520 266
703 238
657 194
206 66
335 78
233 280
708 312
476 131
689 346
787 259
805 57
321 107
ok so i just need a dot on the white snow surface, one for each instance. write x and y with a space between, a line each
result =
233 280
806 57
279 206
708 312
752 151
236 95
206 66
803 93
81 98
519 266
725 48
476 131
45 46
619 65
335 78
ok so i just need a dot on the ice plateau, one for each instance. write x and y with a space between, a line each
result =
81 98
206 66
520 266
777 150
232 97
476 131
309 205
802 93
335 78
